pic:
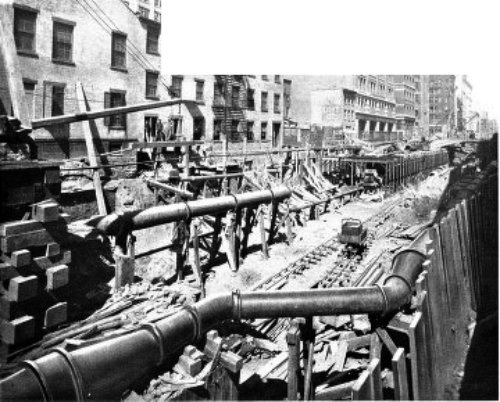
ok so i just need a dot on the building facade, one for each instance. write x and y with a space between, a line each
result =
229 106
442 114
422 105
405 95
114 54
464 112
149 9
358 106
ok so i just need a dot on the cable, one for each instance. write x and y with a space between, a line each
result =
136 54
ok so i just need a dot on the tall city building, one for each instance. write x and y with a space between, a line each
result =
442 113
464 112
405 93
422 105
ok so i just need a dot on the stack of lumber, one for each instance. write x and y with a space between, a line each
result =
32 265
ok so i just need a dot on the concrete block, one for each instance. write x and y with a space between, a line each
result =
231 361
57 277
46 212
17 331
52 250
190 366
55 315
8 308
7 272
20 258
22 288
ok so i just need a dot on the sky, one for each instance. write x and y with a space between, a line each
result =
291 37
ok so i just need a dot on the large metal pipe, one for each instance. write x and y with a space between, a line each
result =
114 223
107 369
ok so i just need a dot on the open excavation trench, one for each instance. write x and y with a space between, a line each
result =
257 350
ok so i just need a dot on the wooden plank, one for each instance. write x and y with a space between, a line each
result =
17 331
362 390
89 141
47 262
375 347
400 375
387 340
375 379
7 272
22 288
20 227
25 240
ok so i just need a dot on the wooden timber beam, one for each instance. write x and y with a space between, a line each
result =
82 116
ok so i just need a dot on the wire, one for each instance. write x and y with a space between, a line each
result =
136 54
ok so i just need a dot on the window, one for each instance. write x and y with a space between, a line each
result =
277 103
250 99
29 92
217 129
263 102
234 129
157 16
200 89
218 94
177 86
250 136
62 42
25 30
151 84
263 130
144 12
152 40
264 77
277 79
235 96
118 50
115 98
57 106
157 3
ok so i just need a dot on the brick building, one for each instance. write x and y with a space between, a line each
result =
238 106
464 112
105 46
358 106
442 114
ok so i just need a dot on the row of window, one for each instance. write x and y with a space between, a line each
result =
62 39
232 98
362 102
362 84
250 132
277 78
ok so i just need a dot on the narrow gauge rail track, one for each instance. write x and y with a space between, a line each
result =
344 269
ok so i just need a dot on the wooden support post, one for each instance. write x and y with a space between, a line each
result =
272 226
288 223
216 241
293 341
263 236
250 217
89 141
124 270
400 376
181 246
196 250
308 352
230 238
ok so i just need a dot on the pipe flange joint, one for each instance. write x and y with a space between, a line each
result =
76 378
42 381
196 319
153 330
408 284
386 299
236 296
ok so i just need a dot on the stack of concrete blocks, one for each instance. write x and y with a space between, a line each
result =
32 262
